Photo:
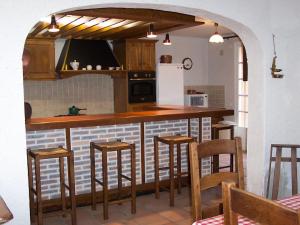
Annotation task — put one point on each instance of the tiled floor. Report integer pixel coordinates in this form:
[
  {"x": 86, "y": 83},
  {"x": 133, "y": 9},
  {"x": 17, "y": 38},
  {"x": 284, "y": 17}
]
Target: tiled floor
[{"x": 150, "y": 211}]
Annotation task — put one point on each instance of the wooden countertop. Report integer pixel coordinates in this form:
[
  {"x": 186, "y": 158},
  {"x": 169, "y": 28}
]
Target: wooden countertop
[{"x": 155, "y": 113}]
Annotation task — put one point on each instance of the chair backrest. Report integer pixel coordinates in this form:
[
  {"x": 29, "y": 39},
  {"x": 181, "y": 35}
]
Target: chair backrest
[
  {"x": 258, "y": 209},
  {"x": 293, "y": 159},
  {"x": 207, "y": 149}
]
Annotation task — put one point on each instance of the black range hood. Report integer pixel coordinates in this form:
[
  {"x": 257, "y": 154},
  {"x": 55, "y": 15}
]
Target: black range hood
[{"x": 86, "y": 52}]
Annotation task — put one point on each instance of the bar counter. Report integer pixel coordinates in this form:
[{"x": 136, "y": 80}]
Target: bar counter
[
  {"x": 76, "y": 133},
  {"x": 155, "y": 113}
]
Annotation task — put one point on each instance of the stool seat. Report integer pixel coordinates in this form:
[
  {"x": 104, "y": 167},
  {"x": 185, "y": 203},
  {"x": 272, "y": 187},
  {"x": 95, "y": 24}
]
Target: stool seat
[
  {"x": 50, "y": 153},
  {"x": 175, "y": 139},
  {"x": 112, "y": 145}
]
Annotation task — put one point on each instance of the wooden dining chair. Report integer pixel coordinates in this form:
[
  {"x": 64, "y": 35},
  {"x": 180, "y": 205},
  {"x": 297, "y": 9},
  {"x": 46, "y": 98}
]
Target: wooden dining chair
[
  {"x": 258, "y": 209},
  {"x": 206, "y": 191},
  {"x": 5, "y": 214}
]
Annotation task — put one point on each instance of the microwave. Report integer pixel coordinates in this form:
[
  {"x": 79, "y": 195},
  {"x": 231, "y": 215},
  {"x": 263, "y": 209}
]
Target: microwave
[{"x": 197, "y": 100}]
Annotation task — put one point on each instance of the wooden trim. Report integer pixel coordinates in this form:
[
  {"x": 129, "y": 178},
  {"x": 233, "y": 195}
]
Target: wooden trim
[{"x": 147, "y": 15}]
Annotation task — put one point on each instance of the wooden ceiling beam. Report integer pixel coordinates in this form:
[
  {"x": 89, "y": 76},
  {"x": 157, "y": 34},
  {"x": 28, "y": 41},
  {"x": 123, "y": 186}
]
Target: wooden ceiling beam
[
  {"x": 83, "y": 28},
  {"x": 111, "y": 29},
  {"x": 142, "y": 30},
  {"x": 87, "y": 32},
  {"x": 147, "y": 15},
  {"x": 109, "y": 33}
]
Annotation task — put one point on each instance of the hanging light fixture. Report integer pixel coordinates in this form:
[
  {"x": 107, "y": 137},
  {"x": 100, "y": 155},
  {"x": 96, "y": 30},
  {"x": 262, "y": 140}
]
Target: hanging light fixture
[
  {"x": 167, "y": 40},
  {"x": 53, "y": 27},
  {"x": 216, "y": 37},
  {"x": 151, "y": 33}
]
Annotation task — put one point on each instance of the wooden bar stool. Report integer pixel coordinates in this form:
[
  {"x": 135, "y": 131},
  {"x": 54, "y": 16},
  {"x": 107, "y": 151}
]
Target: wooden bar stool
[
  {"x": 171, "y": 141},
  {"x": 215, "y": 133},
  {"x": 278, "y": 159},
  {"x": 104, "y": 148},
  {"x": 37, "y": 156}
]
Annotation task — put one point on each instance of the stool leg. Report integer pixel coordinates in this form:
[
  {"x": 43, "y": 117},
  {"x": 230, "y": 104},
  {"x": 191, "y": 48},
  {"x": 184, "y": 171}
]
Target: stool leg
[
  {"x": 133, "y": 180},
  {"x": 93, "y": 176},
  {"x": 231, "y": 162},
  {"x": 188, "y": 163},
  {"x": 119, "y": 163},
  {"x": 62, "y": 185},
  {"x": 216, "y": 157},
  {"x": 38, "y": 192},
  {"x": 105, "y": 184},
  {"x": 231, "y": 155},
  {"x": 171, "y": 171},
  {"x": 30, "y": 183},
  {"x": 178, "y": 168},
  {"x": 71, "y": 179},
  {"x": 276, "y": 173},
  {"x": 156, "y": 165}
]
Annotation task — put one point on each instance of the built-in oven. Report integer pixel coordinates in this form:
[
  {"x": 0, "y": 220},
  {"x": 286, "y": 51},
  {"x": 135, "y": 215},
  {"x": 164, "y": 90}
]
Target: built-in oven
[{"x": 141, "y": 87}]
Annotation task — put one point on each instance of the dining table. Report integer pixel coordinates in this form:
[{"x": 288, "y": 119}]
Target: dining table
[{"x": 292, "y": 202}]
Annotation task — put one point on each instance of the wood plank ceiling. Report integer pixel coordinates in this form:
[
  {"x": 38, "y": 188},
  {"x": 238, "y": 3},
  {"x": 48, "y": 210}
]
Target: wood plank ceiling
[{"x": 112, "y": 23}]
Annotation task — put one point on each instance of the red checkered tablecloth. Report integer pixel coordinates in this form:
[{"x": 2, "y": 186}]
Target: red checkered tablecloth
[{"x": 291, "y": 202}]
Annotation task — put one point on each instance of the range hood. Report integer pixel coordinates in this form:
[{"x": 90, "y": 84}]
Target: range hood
[{"x": 86, "y": 52}]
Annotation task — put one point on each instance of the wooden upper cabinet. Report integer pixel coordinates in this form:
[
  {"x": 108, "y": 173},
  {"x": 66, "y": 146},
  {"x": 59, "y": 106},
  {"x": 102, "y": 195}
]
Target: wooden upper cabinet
[
  {"x": 41, "y": 59},
  {"x": 148, "y": 55},
  {"x": 133, "y": 56},
  {"x": 136, "y": 54}
]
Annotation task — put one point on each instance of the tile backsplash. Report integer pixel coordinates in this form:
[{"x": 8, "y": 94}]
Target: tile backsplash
[
  {"x": 50, "y": 98},
  {"x": 216, "y": 93}
]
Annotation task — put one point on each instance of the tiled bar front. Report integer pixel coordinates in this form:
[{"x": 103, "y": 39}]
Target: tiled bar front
[{"x": 131, "y": 133}]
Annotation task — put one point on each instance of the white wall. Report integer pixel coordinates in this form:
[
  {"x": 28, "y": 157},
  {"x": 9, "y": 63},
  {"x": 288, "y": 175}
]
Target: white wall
[
  {"x": 182, "y": 47},
  {"x": 221, "y": 69},
  {"x": 273, "y": 104}
]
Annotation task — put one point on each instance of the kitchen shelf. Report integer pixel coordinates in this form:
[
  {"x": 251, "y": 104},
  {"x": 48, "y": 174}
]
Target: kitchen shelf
[{"x": 70, "y": 73}]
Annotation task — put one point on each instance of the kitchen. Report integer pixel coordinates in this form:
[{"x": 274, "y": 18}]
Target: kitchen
[{"x": 96, "y": 92}]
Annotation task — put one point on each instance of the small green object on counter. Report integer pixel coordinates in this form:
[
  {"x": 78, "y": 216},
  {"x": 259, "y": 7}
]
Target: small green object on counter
[{"x": 74, "y": 110}]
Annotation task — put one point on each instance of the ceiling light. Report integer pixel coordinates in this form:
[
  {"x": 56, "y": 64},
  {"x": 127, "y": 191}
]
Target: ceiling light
[
  {"x": 167, "y": 40},
  {"x": 53, "y": 27},
  {"x": 216, "y": 37},
  {"x": 151, "y": 33}
]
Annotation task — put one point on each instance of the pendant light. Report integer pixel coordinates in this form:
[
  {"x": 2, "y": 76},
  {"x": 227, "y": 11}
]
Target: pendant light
[
  {"x": 53, "y": 27},
  {"x": 151, "y": 33},
  {"x": 167, "y": 40},
  {"x": 216, "y": 37}
]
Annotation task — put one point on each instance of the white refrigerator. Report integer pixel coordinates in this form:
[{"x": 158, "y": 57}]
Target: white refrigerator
[{"x": 170, "y": 84}]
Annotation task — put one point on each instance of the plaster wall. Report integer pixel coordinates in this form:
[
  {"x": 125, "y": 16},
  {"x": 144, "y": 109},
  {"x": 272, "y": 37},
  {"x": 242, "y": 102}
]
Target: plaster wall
[
  {"x": 182, "y": 47},
  {"x": 221, "y": 64},
  {"x": 273, "y": 104}
]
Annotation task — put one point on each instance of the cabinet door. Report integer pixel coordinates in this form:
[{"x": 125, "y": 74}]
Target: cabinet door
[
  {"x": 148, "y": 56},
  {"x": 41, "y": 65},
  {"x": 133, "y": 56}
]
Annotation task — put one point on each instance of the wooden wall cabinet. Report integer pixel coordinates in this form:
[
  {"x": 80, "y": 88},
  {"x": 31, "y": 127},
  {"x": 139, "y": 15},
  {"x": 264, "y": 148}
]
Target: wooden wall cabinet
[
  {"x": 136, "y": 54},
  {"x": 42, "y": 59}
]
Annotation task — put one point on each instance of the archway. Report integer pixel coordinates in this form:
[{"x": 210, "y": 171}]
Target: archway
[{"x": 256, "y": 82}]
